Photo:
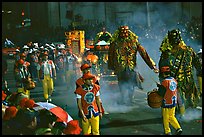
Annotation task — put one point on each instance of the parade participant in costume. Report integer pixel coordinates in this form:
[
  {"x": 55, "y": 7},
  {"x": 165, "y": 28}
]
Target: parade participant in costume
[
  {"x": 70, "y": 67},
  {"x": 34, "y": 64},
  {"x": 168, "y": 90},
  {"x": 23, "y": 57},
  {"x": 199, "y": 73},
  {"x": 17, "y": 55},
  {"x": 88, "y": 102},
  {"x": 102, "y": 43},
  {"x": 46, "y": 72},
  {"x": 25, "y": 49},
  {"x": 60, "y": 67},
  {"x": 22, "y": 74},
  {"x": 181, "y": 59},
  {"x": 85, "y": 68},
  {"x": 4, "y": 78},
  {"x": 103, "y": 35},
  {"x": 122, "y": 59}
]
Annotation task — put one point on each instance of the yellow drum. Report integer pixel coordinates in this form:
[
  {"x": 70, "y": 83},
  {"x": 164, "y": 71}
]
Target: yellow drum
[{"x": 154, "y": 100}]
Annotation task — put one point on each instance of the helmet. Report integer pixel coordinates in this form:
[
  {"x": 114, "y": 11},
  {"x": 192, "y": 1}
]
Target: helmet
[
  {"x": 174, "y": 36},
  {"x": 165, "y": 69}
]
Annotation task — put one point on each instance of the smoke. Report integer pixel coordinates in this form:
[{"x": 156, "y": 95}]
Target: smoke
[
  {"x": 152, "y": 20},
  {"x": 112, "y": 102},
  {"x": 162, "y": 17},
  {"x": 192, "y": 114}
]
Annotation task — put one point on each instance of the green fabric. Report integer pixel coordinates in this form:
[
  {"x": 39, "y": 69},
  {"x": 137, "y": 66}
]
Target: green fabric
[
  {"x": 181, "y": 64},
  {"x": 42, "y": 131}
]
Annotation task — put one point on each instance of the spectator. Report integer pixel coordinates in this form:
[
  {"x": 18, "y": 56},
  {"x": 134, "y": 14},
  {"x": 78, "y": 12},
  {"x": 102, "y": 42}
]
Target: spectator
[{"x": 9, "y": 122}]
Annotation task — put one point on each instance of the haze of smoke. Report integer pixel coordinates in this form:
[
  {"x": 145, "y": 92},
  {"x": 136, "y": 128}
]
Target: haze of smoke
[
  {"x": 110, "y": 96},
  {"x": 163, "y": 18},
  {"x": 192, "y": 114}
]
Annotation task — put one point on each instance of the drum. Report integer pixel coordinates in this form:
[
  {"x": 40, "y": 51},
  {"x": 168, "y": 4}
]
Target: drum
[
  {"x": 154, "y": 100},
  {"x": 29, "y": 84}
]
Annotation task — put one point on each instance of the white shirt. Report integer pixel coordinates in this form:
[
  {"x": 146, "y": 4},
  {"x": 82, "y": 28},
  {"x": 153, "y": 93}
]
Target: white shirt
[
  {"x": 22, "y": 72},
  {"x": 46, "y": 68}
]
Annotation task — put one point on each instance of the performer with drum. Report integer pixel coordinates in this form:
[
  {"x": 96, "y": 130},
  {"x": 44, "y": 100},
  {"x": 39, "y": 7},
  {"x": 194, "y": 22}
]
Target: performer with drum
[{"x": 168, "y": 90}]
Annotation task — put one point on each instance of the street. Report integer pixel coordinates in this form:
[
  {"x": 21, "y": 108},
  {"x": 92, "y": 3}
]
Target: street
[{"x": 137, "y": 119}]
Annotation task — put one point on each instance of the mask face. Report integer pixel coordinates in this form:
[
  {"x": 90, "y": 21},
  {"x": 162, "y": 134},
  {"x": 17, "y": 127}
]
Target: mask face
[
  {"x": 124, "y": 31},
  {"x": 174, "y": 37}
]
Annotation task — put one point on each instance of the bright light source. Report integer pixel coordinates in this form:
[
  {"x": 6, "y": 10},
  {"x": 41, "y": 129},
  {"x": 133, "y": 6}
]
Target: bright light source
[
  {"x": 22, "y": 13},
  {"x": 9, "y": 11}
]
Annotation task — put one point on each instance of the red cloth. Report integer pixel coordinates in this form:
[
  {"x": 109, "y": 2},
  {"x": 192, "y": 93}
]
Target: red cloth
[
  {"x": 3, "y": 95},
  {"x": 29, "y": 103},
  {"x": 22, "y": 102},
  {"x": 72, "y": 128},
  {"x": 10, "y": 112}
]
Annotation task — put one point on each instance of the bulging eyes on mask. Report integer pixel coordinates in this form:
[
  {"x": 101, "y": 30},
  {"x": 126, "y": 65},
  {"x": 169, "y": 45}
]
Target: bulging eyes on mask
[{"x": 124, "y": 31}]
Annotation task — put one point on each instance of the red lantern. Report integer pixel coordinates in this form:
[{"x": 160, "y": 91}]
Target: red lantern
[{"x": 98, "y": 47}]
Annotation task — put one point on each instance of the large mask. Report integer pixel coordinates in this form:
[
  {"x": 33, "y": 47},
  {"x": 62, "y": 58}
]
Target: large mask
[
  {"x": 174, "y": 37},
  {"x": 124, "y": 31}
]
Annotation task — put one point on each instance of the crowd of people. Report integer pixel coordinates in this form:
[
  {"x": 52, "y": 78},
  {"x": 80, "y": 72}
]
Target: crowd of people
[
  {"x": 20, "y": 117},
  {"x": 45, "y": 63},
  {"x": 39, "y": 64}
]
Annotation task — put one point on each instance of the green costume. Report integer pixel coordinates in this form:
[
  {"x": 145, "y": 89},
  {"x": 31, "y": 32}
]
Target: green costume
[
  {"x": 122, "y": 59},
  {"x": 181, "y": 59}
]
